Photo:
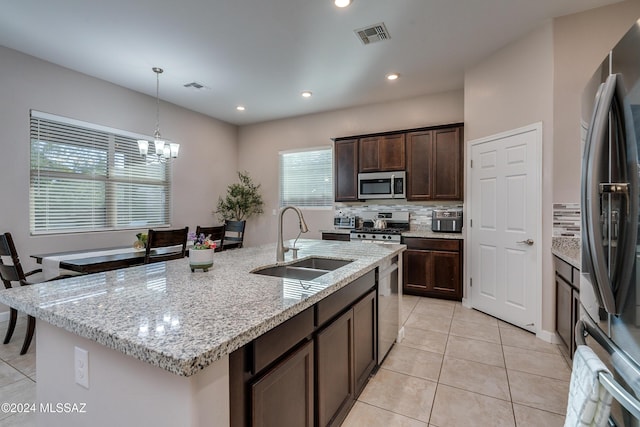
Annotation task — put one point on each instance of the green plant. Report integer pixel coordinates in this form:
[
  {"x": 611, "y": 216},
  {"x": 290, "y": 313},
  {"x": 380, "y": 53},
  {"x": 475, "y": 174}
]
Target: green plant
[{"x": 242, "y": 200}]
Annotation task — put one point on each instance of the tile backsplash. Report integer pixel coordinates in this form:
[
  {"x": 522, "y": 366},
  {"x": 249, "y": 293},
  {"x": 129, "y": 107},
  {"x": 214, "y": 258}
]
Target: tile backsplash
[
  {"x": 566, "y": 220},
  {"x": 419, "y": 215}
]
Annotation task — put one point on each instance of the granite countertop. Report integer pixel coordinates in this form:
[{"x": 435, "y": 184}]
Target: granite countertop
[
  {"x": 567, "y": 249},
  {"x": 180, "y": 321},
  {"x": 428, "y": 234}
]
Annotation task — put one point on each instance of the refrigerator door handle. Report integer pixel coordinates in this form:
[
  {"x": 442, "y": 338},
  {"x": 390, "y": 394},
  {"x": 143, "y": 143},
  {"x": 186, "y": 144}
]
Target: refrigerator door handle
[{"x": 596, "y": 138}]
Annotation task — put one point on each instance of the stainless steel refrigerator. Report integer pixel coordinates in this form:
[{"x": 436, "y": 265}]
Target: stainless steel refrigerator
[{"x": 610, "y": 280}]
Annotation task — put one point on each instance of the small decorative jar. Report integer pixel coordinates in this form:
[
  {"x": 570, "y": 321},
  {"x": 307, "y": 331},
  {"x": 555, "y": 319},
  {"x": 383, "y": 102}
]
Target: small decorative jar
[{"x": 200, "y": 259}]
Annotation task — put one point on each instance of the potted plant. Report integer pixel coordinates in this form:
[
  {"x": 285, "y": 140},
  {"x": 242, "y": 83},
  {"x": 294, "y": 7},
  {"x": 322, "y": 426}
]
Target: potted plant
[
  {"x": 242, "y": 200},
  {"x": 201, "y": 254}
]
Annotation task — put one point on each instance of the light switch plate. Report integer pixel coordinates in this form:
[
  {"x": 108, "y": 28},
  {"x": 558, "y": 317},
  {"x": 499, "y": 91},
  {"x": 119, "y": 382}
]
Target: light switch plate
[{"x": 81, "y": 367}]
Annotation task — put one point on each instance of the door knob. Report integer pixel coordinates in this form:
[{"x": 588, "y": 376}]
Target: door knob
[{"x": 528, "y": 242}]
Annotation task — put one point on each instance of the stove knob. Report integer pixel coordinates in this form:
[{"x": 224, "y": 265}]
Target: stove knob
[
  {"x": 386, "y": 237},
  {"x": 373, "y": 237}
]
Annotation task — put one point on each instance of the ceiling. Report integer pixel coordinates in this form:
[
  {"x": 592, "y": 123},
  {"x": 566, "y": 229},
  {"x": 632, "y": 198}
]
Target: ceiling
[{"x": 262, "y": 53}]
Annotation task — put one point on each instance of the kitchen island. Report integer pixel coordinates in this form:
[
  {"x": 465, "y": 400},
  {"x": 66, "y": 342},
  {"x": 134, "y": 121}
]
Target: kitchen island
[{"x": 158, "y": 337}]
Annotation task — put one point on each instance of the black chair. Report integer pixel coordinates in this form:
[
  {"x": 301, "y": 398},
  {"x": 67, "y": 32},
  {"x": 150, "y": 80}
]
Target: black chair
[
  {"x": 12, "y": 273},
  {"x": 234, "y": 234},
  {"x": 165, "y": 245},
  {"x": 214, "y": 233}
]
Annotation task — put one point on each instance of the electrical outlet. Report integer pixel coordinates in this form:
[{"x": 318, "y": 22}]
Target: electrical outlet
[{"x": 81, "y": 367}]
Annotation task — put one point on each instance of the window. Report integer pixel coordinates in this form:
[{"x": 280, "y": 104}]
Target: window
[
  {"x": 306, "y": 178},
  {"x": 86, "y": 177}
]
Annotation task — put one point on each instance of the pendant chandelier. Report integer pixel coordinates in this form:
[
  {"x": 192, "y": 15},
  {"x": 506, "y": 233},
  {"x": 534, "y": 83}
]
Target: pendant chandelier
[{"x": 163, "y": 150}]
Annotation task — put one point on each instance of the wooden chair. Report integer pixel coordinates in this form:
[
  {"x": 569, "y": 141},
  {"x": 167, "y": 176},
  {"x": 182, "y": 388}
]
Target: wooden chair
[
  {"x": 215, "y": 233},
  {"x": 13, "y": 273},
  {"x": 172, "y": 244},
  {"x": 234, "y": 234}
]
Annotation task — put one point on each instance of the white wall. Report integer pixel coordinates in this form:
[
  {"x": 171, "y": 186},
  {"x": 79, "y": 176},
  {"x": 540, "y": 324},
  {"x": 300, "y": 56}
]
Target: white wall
[
  {"x": 581, "y": 42},
  {"x": 207, "y": 162},
  {"x": 259, "y": 144},
  {"x": 510, "y": 89}
]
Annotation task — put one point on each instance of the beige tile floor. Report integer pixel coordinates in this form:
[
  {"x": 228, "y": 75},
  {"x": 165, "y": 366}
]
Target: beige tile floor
[
  {"x": 460, "y": 367},
  {"x": 456, "y": 367}
]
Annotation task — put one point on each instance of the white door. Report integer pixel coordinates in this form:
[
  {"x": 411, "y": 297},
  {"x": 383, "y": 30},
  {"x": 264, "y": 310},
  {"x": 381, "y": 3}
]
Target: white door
[{"x": 506, "y": 218}]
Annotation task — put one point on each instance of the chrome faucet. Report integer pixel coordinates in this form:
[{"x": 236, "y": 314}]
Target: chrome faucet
[{"x": 281, "y": 249}]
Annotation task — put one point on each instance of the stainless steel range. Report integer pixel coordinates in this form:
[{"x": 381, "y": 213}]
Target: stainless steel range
[{"x": 381, "y": 227}]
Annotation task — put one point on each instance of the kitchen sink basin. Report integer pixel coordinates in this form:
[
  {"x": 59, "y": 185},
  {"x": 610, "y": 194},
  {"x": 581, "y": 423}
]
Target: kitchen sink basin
[
  {"x": 305, "y": 269},
  {"x": 321, "y": 263}
]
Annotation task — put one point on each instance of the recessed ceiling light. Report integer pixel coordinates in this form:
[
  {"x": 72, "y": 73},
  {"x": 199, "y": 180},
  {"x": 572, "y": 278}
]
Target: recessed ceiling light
[
  {"x": 240, "y": 108},
  {"x": 342, "y": 3},
  {"x": 393, "y": 76},
  {"x": 306, "y": 94}
]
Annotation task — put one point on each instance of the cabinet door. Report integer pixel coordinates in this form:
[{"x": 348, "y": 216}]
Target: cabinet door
[
  {"x": 416, "y": 266},
  {"x": 419, "y": 147},
  {"x": 364, "y": 339},
  {"x": 368, "y": 157},
  {"x": 284, "y": 395},
  {"x": 564, "y": 311},
  {"x": 334, "y": 350},
  {"x": 445, "y": 274},
  {"x": 382, "y": 153},
  {"x": 346, "y": 170},
  {"x": 391, "y": 153},
  {"x": 575, "y": 315},
  {"x": 447, "y": 164}
]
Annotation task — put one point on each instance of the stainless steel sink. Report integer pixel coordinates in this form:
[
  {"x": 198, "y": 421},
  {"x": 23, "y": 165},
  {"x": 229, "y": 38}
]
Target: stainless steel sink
[
  {"x": 305, "y": 269},
  {"x": 321, "y": 263}
]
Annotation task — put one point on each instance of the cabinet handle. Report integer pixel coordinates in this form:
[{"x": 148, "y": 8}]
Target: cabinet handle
[{"x": 528, "y": 242}]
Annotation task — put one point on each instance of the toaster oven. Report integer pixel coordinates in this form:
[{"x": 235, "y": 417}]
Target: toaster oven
[{"x": 344, "y": 222}]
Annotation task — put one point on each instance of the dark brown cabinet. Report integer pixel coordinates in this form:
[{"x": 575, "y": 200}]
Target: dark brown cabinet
[
  {"x": 567, "y": 303},
  {"x": 343, "y": 237},
  {"x": 433, "y": 267},
  {"x": 335, "y": 370},
  {"x": 382, "y": 153},
  {"x": 346, "y": 170},
  {"x": 284, "y": 395},
  {"x": 364, "y": 340},
  {"x": 434, "y": 164},
  {"x": 309, "y": 370}
]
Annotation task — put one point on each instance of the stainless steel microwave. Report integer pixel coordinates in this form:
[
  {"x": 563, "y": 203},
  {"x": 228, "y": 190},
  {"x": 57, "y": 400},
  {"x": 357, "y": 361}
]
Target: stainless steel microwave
[{"x": 382, "y": 185}]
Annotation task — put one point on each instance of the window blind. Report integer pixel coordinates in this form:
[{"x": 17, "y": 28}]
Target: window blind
[
  {"x": 306, "y": 178},
  {"x": 87, "y": 177}
]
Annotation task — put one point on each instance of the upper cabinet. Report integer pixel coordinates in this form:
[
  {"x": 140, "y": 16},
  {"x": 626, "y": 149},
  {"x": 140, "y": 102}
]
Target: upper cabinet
[
  {"x": 434, "y": 164},
  {"x": 382, "y": 153},
  {"x": 432, "y": 158},
  {"x": 346, "y": 170}
]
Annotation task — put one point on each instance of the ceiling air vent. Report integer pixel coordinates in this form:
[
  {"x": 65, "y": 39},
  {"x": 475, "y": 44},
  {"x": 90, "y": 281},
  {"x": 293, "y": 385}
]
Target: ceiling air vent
[
  {"x": 194, "y": 85},
  {"x": 373, "y": 33}
]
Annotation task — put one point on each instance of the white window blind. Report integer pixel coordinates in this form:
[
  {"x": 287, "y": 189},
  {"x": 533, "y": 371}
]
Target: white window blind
[
  {"x": 87, "y": 177},
  {"x": 306, "y": 178}
]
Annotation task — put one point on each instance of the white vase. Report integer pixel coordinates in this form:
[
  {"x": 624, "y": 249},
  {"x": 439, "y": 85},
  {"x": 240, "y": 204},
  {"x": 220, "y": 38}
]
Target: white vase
[{"x": 200, "y": 259}]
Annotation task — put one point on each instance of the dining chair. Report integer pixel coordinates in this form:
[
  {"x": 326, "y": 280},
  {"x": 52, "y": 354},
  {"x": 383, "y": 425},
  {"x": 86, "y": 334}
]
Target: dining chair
[
  {"x": 172, "y": 244},
  {"x": 214, "y": 233},
  {"x": 234, "y": 234},
  {"x": 13, "y": 273}
]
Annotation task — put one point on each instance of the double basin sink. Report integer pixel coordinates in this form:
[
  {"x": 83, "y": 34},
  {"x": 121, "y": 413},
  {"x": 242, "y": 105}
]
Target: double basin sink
[{"x": 305, "y": 269}]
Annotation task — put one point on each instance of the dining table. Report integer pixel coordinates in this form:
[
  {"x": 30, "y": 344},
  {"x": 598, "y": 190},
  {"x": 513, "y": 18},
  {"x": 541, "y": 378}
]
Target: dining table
[{"x": 92, "y": 260}]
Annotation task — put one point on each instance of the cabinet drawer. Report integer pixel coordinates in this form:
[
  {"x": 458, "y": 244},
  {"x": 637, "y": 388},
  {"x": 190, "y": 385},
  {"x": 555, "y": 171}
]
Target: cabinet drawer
[
  {"x": 432, "y": 244},
  {"x": 273, "y": 344},
  {"x": 339, "y": 300},
  {"x": 563, "y": 269},
  {"x": 343, "y": 237}
]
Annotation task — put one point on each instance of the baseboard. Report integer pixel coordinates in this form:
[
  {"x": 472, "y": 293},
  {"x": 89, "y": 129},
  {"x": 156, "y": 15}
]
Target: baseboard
[{"x": 548, "y": 336}]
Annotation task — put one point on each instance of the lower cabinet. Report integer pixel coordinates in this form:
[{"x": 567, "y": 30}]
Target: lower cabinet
[
  {"x": 433, "y": 267},
  {"x": 343, "y": 237},
  {"x": 335, "y": 369},
  {"x": 567, "y": 303},
  {"x": 309, "y": 370},
  {"x": 283, "y": 397}
]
